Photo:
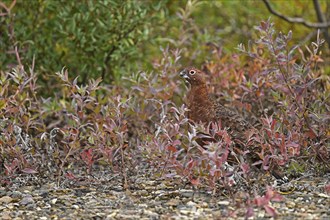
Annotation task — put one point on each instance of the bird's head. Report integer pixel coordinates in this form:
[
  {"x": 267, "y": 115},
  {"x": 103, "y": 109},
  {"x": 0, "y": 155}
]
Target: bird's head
[{"x": 193, "y": 76}]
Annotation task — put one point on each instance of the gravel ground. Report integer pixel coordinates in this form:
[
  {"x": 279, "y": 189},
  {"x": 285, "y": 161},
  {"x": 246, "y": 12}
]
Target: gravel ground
[{"x": 103, "y": 197}]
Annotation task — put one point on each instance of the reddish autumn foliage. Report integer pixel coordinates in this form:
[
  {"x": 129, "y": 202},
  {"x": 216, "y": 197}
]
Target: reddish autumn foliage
[{"x": 141, "y": 125}]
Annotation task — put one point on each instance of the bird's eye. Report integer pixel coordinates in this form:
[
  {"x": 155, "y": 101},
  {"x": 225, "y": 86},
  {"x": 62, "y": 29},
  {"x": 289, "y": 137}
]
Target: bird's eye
[{"x": 192, "y": 72}]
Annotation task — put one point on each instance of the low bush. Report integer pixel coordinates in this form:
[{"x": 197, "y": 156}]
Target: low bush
[{"x": 143, "y": 121}]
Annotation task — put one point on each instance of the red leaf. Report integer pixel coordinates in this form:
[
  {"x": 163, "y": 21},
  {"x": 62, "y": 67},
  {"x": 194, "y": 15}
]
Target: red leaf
[
  {"x": 29, "y": 171},
  {"x": 191, "y": 164},
  {"x": 263, "y": 25},
  {"x": 273, "y": 195},
  {"x": 195, "y": 182},
  {"x": 12, "y": 167},
  {"x": 270, "y": 210},
  {"x": 172, "y": 148},
  {"x": 176, "y": 142},
  {"x": 311, "y": 134},
  {"x": 273, "y": 124},
  {"x": 87, "y": 156},
  {"x": 70, "y": 176},
  {"x": 327, "y": 189},
  {"x": 261, "y": 201},
  {"x": 245, "y": 167}
]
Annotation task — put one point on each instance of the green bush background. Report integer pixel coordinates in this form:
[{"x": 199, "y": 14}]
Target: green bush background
[{"x": 114, "y": 38}]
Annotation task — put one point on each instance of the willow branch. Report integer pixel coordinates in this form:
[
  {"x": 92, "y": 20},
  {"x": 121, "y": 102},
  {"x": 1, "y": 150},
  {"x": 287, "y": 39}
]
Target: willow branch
[{"x": 296, "y": 19}]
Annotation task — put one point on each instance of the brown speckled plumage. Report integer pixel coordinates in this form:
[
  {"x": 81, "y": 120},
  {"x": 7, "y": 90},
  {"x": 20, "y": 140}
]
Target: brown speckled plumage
[{"x": 203, "y": 108}]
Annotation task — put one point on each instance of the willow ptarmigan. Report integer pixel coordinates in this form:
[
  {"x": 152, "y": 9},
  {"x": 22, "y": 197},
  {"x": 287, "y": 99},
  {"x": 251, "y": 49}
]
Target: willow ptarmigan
[{"x": 203, "y": 108}]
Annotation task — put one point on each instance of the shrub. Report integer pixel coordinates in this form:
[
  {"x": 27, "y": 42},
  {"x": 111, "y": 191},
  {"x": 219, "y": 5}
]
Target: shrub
[
  {"x": 50, "y": 135},
  {"x": 143, "y": 121},
  {"x": 90, "y": 38}
]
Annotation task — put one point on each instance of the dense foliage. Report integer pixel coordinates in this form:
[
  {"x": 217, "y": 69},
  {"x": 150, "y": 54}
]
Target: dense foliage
[
  {"x": 90, "y": 38},
  {"x": 142, "y": 118},
  {"x": 112, "y": 39}
]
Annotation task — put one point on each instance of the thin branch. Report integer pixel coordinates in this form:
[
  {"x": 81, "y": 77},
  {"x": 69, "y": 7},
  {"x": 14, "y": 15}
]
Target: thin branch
[
  {"x": 295, "y": 20},
  {"x": 120, "y": 37},
  {"x": 321, "y": 18},
  {"x": 18, "y": 58},
  {"x": 3, "y": 5}
]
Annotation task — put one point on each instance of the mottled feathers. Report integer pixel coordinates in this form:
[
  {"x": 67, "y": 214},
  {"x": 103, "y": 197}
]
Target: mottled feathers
[{"x": 204, "y": 108}]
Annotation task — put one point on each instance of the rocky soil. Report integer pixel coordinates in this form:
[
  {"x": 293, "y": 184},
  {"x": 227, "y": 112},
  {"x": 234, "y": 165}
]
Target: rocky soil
[{"x": 102, "y": 196}]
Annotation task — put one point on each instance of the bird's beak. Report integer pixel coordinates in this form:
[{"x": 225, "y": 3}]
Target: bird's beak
[{"x": 184, "y": 74}]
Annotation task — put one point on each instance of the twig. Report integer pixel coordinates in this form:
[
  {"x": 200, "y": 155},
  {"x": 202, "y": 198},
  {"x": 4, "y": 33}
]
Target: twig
[
  {"x": 7, "y": 9},
  {"x": 296, "y": 19},
  {"x": 108, "y": 56},
  {"x": 18, "y": 57},
  {"x": 321, "y": 18}
]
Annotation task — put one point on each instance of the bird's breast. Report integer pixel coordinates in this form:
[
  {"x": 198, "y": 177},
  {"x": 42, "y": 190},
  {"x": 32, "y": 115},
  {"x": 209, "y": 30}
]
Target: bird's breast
[{"x": 201, "y": 111}]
